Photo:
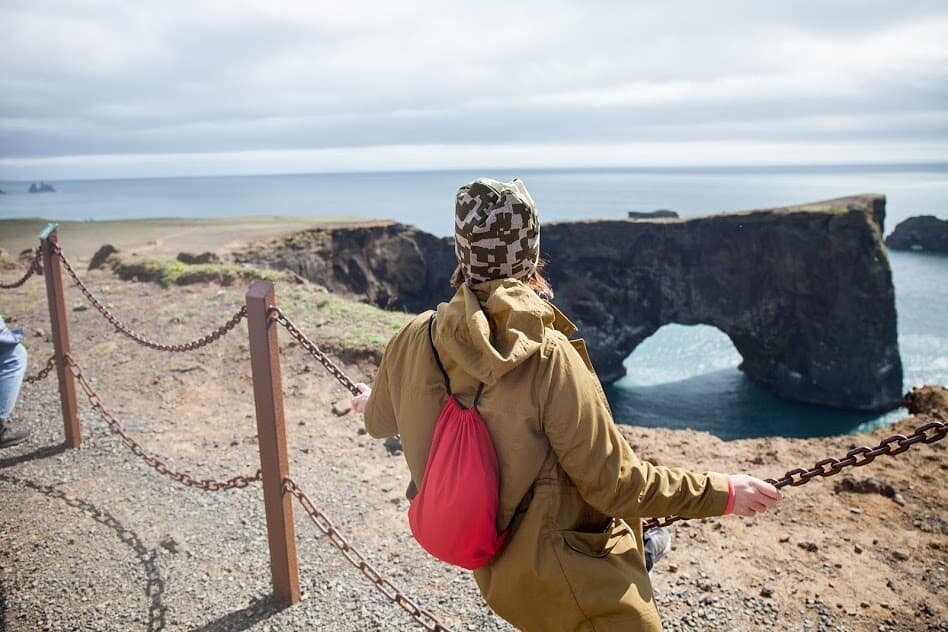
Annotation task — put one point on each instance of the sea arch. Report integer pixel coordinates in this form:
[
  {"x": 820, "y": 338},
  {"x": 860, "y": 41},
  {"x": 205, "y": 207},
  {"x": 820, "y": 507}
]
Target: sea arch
[{"x": 805, "y": 294}]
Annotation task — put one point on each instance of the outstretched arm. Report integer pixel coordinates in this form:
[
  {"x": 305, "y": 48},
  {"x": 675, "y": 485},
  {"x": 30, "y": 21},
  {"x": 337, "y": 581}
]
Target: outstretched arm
[{"x": 608, "y": 474}]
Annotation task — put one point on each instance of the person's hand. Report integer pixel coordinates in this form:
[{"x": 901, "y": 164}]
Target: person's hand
[
  {"x": 359, "y": 401},
  {"x": 752, "y": 495}
]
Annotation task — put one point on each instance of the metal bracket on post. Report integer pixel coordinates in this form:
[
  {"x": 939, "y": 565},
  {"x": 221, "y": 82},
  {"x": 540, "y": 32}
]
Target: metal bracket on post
[
  {"x": 271, "y": 437},
  {"x": 53, "y": 272}
]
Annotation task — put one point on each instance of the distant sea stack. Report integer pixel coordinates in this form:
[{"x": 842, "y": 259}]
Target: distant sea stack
[
  {"x": 42, "y": 187},
  {"x": 662, "y": 213},
  {"x": 805, "y": 293},
  {"x": 923, "y": 232}
]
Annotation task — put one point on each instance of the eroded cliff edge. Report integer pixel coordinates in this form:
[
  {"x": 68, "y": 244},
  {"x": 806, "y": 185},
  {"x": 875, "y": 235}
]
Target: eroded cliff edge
[{"x": 805, "y": 293}]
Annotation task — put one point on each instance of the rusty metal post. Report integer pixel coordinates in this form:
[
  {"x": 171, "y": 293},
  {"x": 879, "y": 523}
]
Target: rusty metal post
[
  {"x": 53, "y": 271},
  {"x": 271, "y": 436}
]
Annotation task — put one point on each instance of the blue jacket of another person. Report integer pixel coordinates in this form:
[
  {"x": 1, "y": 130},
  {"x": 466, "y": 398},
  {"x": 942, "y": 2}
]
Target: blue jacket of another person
[{"x": 9, "y": 338}]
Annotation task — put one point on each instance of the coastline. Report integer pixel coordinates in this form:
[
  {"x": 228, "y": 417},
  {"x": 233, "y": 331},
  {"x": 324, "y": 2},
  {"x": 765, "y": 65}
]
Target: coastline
[{"x": 160, "y": 236}]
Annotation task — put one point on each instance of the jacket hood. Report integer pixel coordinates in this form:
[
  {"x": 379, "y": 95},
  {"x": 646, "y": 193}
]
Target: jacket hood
[{"x": 492, "y": 328}]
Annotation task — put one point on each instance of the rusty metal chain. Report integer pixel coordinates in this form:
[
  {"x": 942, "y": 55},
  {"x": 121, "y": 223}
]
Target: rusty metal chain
[
  {"x": 35, "y": 267},
  {"x": 203, "y": 341},
  {"x": 420, "y": 615},
  {"x": 857, "y": 457},
  {"x": 311, "y": 347},
  {"x": 50, "y": 364},
  {"x": 152, "y": 460}
]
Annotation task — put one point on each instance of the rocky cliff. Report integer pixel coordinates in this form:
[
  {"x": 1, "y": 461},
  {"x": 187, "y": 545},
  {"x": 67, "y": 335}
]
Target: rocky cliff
[
  {"x": 805, "y": 293},
  {"x": 924, "y": 232},
  {"x": 391, "y": 265}
]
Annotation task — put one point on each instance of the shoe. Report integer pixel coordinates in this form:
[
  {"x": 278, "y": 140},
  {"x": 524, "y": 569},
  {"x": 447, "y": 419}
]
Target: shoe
[
  {"x": 12, "y": 437},
  {"x": 657, "y": 546}
]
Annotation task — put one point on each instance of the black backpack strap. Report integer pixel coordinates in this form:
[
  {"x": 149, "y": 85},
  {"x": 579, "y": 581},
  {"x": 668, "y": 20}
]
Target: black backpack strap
[
  {"x": 477, "y": 395},
  {"x": 444, "y": 374},
  {"x": 447, "y": 380}
]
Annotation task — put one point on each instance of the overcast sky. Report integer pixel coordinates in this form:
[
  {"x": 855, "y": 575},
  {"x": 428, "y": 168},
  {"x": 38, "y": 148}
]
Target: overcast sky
[{"x": 118, "y": 89}]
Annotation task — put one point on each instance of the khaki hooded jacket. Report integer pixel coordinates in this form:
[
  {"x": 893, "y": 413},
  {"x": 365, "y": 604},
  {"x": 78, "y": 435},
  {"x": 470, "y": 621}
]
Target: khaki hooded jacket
[{"x": 571, "y": 489}]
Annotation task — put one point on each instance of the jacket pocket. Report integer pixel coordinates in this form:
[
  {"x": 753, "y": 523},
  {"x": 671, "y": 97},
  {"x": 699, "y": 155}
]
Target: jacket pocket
[
  {"x": 594, "y": 544},
  {"x": 607, "y": 579}
]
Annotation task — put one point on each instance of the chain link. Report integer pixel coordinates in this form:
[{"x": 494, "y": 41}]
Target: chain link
[
  {"x": 35, "y": 267},
  {"x": 324, "y": 524},
  {"x": 311, "y": 347},
  {"x": 152, "y": 460},
  {"x": 203, "y": 341},
  {"x": 50, "y": 364},
  {"x": 857, "y": 457}
]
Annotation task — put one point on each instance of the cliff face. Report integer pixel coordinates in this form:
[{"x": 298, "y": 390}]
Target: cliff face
[
  {"x": 805, "y": 293},
  {"x": 391, "y": 265}
]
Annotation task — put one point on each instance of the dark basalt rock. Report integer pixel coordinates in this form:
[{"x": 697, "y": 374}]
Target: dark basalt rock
[
  {"x": 101, "y": 256},
  {"x": 42, "y": 187},
  {"x": 391, "y": 265},
  {"x": 192, "y": 259},
  {"x": 805, "y": 293},
  {"x": 924, "y": 232}
]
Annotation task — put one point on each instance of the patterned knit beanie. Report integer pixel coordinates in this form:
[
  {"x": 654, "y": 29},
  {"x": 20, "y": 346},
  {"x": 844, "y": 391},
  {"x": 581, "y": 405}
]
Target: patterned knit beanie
[{"x": 496, "y": 231}]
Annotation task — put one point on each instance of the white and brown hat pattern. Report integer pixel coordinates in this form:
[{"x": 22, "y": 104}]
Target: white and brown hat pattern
[{"x": 496, "y": 231}]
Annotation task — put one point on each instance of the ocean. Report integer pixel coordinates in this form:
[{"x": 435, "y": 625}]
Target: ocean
[{"x": 681, "y": 377}]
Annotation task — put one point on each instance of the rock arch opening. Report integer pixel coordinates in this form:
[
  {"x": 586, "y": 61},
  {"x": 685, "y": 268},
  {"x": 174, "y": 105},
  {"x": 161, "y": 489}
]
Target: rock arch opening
[
  {"x": 687, "y": 376},
  {"x": 676, "y": 353}
]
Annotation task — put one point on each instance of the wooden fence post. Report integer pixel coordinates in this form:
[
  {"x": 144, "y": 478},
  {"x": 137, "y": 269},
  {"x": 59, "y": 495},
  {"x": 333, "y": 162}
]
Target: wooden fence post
[
  {"x": 53, "y": 272},
  {"x": 271, "y": 436}
]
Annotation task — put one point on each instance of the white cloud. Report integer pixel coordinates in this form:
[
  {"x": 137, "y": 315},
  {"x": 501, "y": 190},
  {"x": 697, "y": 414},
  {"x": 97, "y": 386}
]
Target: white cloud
[{"x": 236, "y": 77}]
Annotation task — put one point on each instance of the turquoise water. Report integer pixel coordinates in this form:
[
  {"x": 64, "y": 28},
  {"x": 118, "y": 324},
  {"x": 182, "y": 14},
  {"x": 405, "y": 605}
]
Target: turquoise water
[{"x": 681, "y": 376}]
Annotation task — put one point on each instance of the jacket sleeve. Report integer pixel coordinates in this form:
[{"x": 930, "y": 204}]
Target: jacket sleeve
[
  {"x": 599, "y": 461},
  {"x": 380, "y": 411}
]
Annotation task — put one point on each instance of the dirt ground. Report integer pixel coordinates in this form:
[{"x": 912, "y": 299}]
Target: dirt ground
[{"x": 825, "y": 559}]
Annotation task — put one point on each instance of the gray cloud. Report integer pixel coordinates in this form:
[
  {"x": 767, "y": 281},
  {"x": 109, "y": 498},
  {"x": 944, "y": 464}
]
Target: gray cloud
[{"x": 149, "y": 78}]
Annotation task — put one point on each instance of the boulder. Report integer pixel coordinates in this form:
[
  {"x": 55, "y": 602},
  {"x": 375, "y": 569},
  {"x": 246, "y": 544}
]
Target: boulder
[
  {"x": 204, "y": 257},
  {"x": 101, "y": 256},
  {"x": 927, "y": 400},
  {"x": 923, "y": 232},
  {"x": 805, "y": 292}
]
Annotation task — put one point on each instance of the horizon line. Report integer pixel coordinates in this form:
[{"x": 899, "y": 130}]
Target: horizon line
[{"x": 656, "y": 168}]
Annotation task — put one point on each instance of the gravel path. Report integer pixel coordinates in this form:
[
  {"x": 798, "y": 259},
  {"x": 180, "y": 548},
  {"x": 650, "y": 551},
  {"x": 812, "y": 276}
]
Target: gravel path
[{"x": 99, "y": 541}]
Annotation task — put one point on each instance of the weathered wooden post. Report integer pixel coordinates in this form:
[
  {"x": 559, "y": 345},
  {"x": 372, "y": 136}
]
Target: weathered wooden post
[
  {"x": 271, "y": 436},
  {"x": 53, "y": 271}
]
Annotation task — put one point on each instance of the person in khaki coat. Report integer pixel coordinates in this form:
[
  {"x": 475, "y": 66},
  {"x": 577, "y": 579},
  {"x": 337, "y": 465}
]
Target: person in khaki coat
[{"x": 572, "y": 492}]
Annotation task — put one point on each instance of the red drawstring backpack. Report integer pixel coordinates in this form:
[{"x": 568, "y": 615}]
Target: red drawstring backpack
[{"x": 454, "y": 515}]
